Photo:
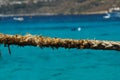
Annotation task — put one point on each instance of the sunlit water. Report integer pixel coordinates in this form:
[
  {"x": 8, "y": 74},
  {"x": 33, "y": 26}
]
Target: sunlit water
[{"x": 34, "y": 63}]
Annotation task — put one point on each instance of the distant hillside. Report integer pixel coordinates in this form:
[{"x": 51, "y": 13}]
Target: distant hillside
[{"x": 55, "y": 6}]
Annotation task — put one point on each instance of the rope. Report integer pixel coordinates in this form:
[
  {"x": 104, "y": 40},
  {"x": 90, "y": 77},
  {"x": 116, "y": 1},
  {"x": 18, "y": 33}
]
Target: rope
[{"x": 41, "y": 41}]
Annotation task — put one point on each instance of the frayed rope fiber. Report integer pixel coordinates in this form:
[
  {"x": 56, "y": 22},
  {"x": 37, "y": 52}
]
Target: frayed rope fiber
[{"x": 41, "y": 41}]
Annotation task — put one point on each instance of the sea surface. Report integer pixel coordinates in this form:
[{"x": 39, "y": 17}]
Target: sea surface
[{"x": 34, "y": 63}]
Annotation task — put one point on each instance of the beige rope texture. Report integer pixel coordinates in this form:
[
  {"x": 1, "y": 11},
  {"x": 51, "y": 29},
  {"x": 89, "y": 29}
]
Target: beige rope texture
[{"x": 40, "y": 41}]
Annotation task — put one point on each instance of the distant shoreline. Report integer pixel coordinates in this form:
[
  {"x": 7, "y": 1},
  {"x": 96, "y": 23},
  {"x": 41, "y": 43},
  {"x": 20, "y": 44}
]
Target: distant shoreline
[
  {"x": 51, "y": 14},
  {"x": 97, "y": 12}
]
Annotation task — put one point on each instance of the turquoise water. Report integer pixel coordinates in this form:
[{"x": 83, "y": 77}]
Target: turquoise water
[{"x": 34, "y": 63}]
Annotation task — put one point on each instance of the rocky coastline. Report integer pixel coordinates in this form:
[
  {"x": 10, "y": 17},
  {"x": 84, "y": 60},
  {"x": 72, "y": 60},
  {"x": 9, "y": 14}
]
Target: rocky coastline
[
  {"x": 52, "y": 14},
  {"x": 55, "y": 7}
]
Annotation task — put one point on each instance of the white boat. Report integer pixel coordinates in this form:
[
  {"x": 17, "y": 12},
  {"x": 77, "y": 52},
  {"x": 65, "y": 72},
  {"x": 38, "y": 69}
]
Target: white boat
[
  {"x": 18, "y": 18},
  {"x": 113, "y": 12},
  {"x": 107, "y": 16}
]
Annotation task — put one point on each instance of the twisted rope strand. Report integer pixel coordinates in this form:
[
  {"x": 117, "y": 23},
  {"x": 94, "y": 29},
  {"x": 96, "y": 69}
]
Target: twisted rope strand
[{"x": 40, "y": 41}]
